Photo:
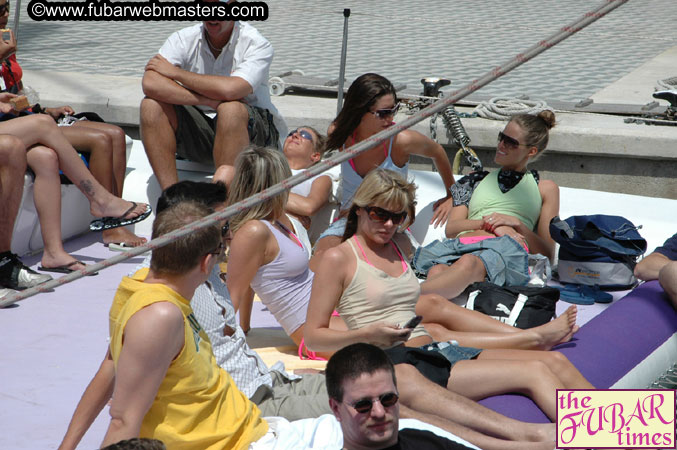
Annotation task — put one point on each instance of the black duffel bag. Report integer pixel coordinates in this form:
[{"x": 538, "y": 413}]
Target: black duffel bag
[{"x": 518, "y": 306}]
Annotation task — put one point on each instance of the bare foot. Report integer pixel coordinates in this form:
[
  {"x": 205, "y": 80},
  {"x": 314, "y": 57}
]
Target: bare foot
[
  {"x": 122, "y": 235},
  {"x": 116, "y": 207},
  {"x": 557, "y": 331},
  {"x": 60, "y": 260}
]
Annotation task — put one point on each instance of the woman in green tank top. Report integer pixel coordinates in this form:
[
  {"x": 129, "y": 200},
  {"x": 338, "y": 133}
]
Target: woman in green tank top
[{"x": 509, "y": 202}]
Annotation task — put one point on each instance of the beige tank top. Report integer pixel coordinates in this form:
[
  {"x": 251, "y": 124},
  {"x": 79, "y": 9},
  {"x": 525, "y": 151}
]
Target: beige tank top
[{"x": 373, "y": 295}]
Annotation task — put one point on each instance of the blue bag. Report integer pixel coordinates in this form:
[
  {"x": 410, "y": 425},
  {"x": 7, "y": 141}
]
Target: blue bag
[{"x": 597, "y": 250}]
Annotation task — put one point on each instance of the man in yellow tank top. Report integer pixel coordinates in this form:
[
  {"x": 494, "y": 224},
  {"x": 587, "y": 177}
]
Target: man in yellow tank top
[{"x": 167, "y": 383}]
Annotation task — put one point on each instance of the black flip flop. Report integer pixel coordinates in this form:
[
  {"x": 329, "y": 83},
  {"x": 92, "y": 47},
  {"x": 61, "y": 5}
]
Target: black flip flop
[
  {"x": 66, "y": 268},
  {"x": 108, "y": 223}
]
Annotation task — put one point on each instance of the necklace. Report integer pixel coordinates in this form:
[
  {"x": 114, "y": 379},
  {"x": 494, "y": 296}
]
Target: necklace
[{"x": 212, "y": 47}]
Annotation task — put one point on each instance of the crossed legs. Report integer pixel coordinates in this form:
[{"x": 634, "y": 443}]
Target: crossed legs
[{"x": 39, "y": 129}]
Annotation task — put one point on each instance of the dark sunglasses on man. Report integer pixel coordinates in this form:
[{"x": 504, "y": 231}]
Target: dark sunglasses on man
[
  {"x": 363, "y": 406},
  {"x": 4, "y": 8}
]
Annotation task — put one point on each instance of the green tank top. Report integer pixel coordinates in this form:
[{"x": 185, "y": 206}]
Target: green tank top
[{"x": 522, "y": 201}]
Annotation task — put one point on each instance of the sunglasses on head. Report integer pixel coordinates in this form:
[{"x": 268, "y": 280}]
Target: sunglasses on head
[
  {"x": 508, "y": 141},
  {"x": 364, "y": 405},
  {"x": 303, "y": 133},
  {"x": 383, "y": 215},
  {"x": 4, "y": 8},
  {"x": 383, "y": 113}
]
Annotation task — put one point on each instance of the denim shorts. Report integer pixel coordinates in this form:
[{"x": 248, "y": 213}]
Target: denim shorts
[
  {"x": 337, "y": 228},
  {"x": 505, "y": 260},
  {"x": 452, "y": 351}
]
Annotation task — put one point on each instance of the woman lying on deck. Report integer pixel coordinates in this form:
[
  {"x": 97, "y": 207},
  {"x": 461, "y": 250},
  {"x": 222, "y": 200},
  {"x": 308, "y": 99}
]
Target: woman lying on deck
[{"x": 369, "y": 283}]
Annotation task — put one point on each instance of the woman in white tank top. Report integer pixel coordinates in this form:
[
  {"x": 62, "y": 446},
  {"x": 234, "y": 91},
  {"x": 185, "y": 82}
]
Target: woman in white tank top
[
  {"x": 369, "y": 107},
  {"x": 368, "y": 281},
  {"x": 267, "y": 253}
]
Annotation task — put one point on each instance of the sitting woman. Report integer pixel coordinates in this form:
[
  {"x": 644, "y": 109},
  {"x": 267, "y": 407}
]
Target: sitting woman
[
  {"x": 303, "y": 148},
  {"x": 266, "y": 252},
  {"x": 369, "y": 283},
  {"x": 104, "y": 142},
  {"x": 508, "y": 210},
  {"x": 370, "y": 105}
]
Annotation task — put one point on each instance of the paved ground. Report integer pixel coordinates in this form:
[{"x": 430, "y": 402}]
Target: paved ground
[{"x": 402, "y": 39}]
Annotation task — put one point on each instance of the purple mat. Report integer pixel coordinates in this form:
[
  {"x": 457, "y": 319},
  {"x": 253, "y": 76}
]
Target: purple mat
[{"x": 608, "y": 346}]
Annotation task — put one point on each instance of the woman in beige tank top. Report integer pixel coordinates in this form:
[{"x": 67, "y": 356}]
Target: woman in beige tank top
[{"x": 368, "y": 281}]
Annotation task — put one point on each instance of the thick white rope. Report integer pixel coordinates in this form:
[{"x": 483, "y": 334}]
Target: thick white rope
[
  {"x": 503, "y": 108},
  {"x": 668, "y": 83},
  {"x": 606, "y": 7}
]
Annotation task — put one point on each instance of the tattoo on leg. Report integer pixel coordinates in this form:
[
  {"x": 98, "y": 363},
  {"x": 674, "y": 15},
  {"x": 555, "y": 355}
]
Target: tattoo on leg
[{"x": 87, "y": 188}]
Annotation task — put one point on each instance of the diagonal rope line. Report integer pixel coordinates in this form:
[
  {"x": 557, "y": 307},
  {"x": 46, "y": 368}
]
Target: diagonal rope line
[{"x": 589, "y": 17}]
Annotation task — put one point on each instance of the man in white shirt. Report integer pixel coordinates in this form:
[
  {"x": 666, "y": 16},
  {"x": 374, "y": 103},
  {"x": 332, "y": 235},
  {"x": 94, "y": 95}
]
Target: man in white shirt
[{"x": 215, "y": 66}]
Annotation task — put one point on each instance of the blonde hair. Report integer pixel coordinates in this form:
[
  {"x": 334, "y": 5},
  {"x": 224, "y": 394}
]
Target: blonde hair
[
  {"x": 256, "y": 169},
  {"x": 385, "y": 188},
  {"x": 537, "y": 128}
]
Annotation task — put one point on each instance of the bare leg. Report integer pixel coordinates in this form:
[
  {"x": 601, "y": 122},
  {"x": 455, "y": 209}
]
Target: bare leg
[
  {"x": 479, "y": 378},
  {"x": 106, "y": 145},
  {"x": 47, "y": 198},
  {"x": 158, "y": 125},
  {"x": 12, "y": 170},
  {"x": 321, "y": 246},
  {"x": 445, "y": 321},
  {"x": 466, "y": 418},
  {"x": 41, "y": 129},
  {"x": 231, "y": 133},
  {"x": 451, "y": 281}
]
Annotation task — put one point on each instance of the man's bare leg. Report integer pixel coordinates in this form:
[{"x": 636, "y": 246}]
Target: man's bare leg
[
  {"x": 231, "y": 135},
  {"x": 158, "y": 125},
  {"x": 458, "y": 414},
  {"x": 12, "y": 170}
]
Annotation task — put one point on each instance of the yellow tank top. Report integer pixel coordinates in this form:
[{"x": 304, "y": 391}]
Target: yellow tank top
[
  {"x": 198, "y": 406},
  {"x": 522, "y": 201}
]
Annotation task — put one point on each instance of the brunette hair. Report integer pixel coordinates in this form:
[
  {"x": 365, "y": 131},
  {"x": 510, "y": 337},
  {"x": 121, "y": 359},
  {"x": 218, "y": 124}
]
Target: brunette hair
[
  {"x": 537, "y": 128},
  {"x": 256, "y": 169},
  {"x": 359, "y": 99},
  {"x": 383, "y": 187}
]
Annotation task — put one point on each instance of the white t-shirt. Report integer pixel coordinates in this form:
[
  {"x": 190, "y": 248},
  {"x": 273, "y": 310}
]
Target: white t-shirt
[
  {"x": 303, "y": 188},
  {"x": 246, "y": 55}
]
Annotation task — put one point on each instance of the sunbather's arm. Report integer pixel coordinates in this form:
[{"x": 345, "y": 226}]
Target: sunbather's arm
[
  {"x": 318, "y": 197},
  {"x": 161, "y": 88},
  {"x": 418, "y": 144},
  {"x": 95, "y": 397},
  {"x": 458, "y": 221},
  {"x": 649, "y": 267}
]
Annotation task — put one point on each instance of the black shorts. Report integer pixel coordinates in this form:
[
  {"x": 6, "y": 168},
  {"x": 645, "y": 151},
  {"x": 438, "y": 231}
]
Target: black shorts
[
  {"x": 196, "y": 131},
  {"x": 432, "y": 365}
]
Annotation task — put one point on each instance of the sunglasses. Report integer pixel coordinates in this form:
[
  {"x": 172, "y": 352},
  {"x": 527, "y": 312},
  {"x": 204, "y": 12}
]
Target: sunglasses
[
  {"x": 383, "y": 113},
  {"x": 364, "y": 405},
  {"x": 218, "y": 251},
  {"x": 508, "y": 141},
  {"x": 224, "y": 229},
  {"x": 383, "y": 215},
  {"x": 303, "y": 133},
  {"x": 4, "y": 8}
]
